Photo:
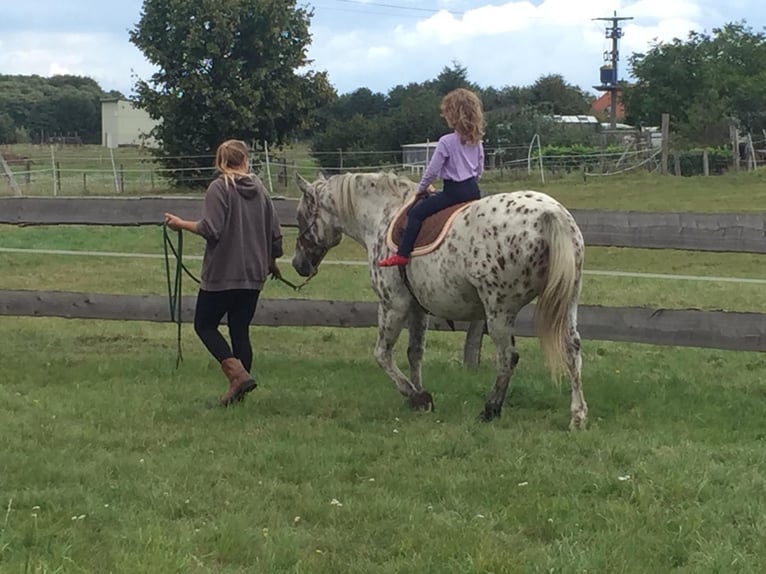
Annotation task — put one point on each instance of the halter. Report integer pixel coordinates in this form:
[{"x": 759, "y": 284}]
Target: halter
[{"x": 301, "y": 240}]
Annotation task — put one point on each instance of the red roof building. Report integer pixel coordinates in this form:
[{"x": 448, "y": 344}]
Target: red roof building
[{"x": 601, "y": 106}]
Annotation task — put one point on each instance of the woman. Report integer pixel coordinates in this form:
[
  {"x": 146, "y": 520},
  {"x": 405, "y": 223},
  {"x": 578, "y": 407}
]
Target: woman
[
  {"x": 458, "y": 161},
  {"x": 243, "y": 242}
]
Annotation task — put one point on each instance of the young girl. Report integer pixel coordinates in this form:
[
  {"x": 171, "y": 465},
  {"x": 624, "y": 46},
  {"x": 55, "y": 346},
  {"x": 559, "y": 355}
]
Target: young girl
[
  {"x": 243, "y": 243},
  {"x": 458, "y": 161}
]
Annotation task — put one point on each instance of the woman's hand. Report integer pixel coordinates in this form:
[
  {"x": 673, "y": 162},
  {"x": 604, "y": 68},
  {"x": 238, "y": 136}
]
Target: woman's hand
[
  {"x": 274, "y": 270},
  {"x": 174, "y": 222}
]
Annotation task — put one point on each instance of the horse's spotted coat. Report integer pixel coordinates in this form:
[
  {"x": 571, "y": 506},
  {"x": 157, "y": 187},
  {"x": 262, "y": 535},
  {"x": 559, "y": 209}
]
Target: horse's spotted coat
[{"x": 495, "y": 260}]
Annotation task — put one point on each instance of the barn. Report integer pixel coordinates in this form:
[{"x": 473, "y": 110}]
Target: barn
[
  {"x": 122, "y": 124},
  {"x": 415, "y": 156}
]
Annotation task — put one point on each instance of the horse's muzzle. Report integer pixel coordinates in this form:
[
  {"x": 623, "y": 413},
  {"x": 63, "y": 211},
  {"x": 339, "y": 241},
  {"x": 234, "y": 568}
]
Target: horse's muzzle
[{"x": 302, "y": 265}]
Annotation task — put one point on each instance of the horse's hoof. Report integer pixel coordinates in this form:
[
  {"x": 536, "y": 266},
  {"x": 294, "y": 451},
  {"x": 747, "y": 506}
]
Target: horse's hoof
[
  {"x": 577, "y": 424},
  {"x": 422, "y": 401},
  {"x": 490, "y": 412}
]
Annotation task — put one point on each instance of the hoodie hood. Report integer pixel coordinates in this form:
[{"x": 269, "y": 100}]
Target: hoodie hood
[{"x": 248, "y": 186}]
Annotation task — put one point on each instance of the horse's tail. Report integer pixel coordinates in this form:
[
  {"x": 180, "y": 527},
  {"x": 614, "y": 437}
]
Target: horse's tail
[{"x": 554, "y": 305}]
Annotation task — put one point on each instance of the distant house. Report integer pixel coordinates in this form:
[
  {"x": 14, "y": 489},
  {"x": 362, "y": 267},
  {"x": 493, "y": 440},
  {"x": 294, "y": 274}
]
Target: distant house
[
  {"x": 582, "y": 120},
  {"x": 601, "y": 106},
  {"x": 122, "y": 124},
  {"x": 416, "y": 156}
]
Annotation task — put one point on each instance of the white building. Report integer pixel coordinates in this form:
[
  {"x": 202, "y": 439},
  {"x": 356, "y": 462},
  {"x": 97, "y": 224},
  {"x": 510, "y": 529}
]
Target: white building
[
  {"x": 416, "y": 156},
  {"x": 122, "y": 124}
]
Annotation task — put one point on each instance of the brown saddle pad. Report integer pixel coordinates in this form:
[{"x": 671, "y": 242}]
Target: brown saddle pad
[{"x": 431, "y": 234}]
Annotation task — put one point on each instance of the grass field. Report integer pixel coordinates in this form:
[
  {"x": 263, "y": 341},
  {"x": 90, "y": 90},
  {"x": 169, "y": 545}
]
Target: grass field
[{"x": 112, "y": 462}]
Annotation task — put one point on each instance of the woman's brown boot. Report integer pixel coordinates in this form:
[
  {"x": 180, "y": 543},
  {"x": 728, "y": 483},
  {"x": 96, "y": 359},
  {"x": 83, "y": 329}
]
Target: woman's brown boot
[{"x": 240, "y": 381}]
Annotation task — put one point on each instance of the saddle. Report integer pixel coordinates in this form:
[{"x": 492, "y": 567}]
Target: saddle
[{"x": 431, "y": 234}]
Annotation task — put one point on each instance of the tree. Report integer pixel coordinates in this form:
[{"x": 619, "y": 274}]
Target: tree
[
  {"x": 7, "y": 129},
  {"x": 451, "y": 79},
  {"x": 555, "y": 96},
  {"x": 60, "y": 105},
  {"x": 705, "y": 83},
  {"x": 226, "y": 69}
]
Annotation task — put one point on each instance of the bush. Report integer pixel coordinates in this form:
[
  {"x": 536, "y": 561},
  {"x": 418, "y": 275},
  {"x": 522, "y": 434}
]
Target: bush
[{"x": 690, "y": 161}]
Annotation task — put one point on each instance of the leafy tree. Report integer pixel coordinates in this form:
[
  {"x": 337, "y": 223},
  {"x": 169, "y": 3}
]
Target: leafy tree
[
  {"x": 226, "y": 69},
  {"x": 410, "y": 113},
  {"x": 705, "y": 83},
  {"x": 554, "y": 95},
  {"x": 451, "y": 79},
  {"x": 61, "y": 105},
  {"x": 343, "y": 141},
  {"x": 361, "y": 102},
  {"x": 7, "y": 129},
  {"x": 507, "y": 99}
]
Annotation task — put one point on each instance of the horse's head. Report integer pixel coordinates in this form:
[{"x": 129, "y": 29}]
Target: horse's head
[{"x": 318, "y": 228}]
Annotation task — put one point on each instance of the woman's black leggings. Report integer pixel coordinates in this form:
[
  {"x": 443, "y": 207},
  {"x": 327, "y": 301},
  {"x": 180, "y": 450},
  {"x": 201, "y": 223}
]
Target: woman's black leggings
[{"x": 239, "y": 306}]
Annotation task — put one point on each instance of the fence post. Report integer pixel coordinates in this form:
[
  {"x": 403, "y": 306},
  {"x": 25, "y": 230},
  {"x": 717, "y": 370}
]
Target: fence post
[
  {"x": 752, "y": 161},
  {"x": 114, "y": 171},
  {"x": 122, "y": 178},
  {"x": 58, "y": 177},
  {"x": 84, "y": 183},
  {"x": 676, "y": 164},
  {"x": 705, "y": 162},
  {"x": 268, "y": 165},
  {"x": 665, "y": 143},
  {"x": 734, "y": 146},
  {"x": 53, "y": 167}
]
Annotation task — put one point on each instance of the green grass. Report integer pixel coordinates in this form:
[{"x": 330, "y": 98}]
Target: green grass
[
  {"x": 641, "y": 191},
  {"x": 110, "y": 460},
  {"x": 113, "y": 463}
]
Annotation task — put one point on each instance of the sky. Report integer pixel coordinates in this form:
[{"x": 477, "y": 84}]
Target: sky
[{"x": 379, "y": 44}]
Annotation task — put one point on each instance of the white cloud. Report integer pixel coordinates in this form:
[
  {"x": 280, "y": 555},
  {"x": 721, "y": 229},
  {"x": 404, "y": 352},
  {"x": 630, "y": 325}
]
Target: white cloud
[
  {"x": 103, "y": 57},
  {"x": 502, "y": 44}
]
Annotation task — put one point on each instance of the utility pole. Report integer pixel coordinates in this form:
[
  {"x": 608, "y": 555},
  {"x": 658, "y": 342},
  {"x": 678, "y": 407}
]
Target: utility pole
[{"x": 609, "y": 76}]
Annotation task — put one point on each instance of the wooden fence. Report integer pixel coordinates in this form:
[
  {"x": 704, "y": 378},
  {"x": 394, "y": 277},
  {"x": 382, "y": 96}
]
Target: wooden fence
[{"x": 734, "y": 232}]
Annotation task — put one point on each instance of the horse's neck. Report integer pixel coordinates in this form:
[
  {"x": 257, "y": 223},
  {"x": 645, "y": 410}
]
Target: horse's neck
[{"x": 365, "y": 214}]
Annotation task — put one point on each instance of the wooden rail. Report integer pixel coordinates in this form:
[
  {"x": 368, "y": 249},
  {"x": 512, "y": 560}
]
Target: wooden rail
[
  {"x": 679, "y": 327},
  {"x": 732, "y": 232},
  {"x": 735, "y": 232}
]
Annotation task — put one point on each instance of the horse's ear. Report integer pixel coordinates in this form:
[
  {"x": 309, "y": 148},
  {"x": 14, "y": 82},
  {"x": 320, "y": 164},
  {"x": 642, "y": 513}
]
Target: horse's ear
[
  {"x": 320, "y": 176},
  {"x": 303, "y": 185}
]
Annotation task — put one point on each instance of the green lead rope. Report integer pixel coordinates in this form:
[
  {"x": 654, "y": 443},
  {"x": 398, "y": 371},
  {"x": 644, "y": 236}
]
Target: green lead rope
[{"x": 175, "y": 299}]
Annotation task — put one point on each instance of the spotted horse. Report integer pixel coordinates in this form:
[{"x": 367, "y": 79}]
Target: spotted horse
[{"x": 500, "y": 252}]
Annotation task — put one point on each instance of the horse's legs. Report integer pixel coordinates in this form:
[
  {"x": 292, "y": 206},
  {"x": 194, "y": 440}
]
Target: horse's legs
[
  {"x": 390, "y": 323},
  {"x": 417, "y": 326},
  {"x": 578, "y": 406},
  {"x": 506, "y": 358}
]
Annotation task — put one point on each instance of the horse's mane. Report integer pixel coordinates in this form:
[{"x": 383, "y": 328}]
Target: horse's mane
[{"x": 347, "y": 188}]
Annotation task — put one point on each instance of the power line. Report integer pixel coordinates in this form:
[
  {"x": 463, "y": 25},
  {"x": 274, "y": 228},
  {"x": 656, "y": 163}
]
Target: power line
[
  {"x": 400, "y": 7},
  {"x": 322, "y": 8}
]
